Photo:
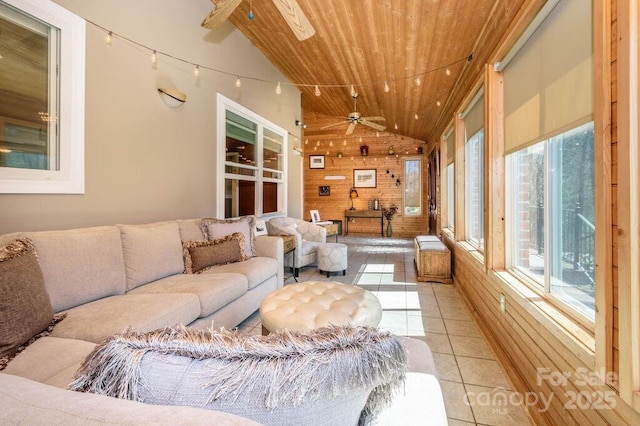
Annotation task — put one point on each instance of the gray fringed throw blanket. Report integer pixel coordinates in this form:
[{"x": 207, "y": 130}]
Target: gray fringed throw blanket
[{"x": 231, "y": 368}]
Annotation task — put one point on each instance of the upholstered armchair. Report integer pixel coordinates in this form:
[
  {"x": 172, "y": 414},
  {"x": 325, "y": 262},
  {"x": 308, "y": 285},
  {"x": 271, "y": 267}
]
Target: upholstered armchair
[{"x": 308, "y": 237}]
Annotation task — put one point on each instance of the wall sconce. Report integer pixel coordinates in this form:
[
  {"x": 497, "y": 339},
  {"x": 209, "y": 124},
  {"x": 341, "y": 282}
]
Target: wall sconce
[
  {"x": 353, "y": 193},
  {"x": 300, "y": 124},
  {"x": 172, "y": 98}
]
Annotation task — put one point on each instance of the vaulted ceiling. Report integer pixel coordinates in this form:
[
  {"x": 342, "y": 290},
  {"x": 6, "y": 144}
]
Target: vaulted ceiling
[{"x": 366, "y": 43}]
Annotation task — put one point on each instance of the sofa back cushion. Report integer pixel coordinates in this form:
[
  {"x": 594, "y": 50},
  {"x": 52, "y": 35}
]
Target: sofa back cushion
[
  {"x": 151, "y": 251},
  {"x": 80, "y": 265},
  {"x": 190, "y": 230}
]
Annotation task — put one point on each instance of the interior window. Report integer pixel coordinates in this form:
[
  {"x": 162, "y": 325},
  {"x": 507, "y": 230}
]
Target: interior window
[{"x": 412, "y": 194}]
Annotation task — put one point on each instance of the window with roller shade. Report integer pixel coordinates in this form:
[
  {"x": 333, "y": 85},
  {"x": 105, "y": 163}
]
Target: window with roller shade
[
  {"x": 474, "y": 172},
  {"x": 549, "y": 145}
]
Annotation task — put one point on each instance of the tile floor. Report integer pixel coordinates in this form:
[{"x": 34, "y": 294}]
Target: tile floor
[{"x": 475, "y": 389}]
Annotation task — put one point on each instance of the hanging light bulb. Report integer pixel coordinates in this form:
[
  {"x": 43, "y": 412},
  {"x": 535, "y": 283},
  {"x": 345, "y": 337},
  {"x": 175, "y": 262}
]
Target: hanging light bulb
[
  {"x": 377, "y": 134},
  {"x": 352, "y": 91},
  {"x": 109, "y": 38},
  {"x": 330, "y": 143},
  {"x": 438, "y": 103},
  {"x": 318, "y": 143},
  {"x": 418, "y": 81},
  {"x": 344, "y": 142},
  {"x": 317, "y": 91},
  {"x": 447, "y": 71},
  {"x": 395, "y": 126},
  {"x": 154, "y": 58},
  {"x": 416, "y": 116},
  {"x": 238, "y": 82},
  {"x": 196, "y": 71},
  {"x": 386, "y": 87},
  {"x": 278, "y": 89},
  {"x": 306, "y": 141}
]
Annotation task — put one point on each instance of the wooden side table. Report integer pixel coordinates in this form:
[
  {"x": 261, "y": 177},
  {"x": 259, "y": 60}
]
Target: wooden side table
[
  {"x": 289, "y": 246},
  {"x": 332, "y": 230}
]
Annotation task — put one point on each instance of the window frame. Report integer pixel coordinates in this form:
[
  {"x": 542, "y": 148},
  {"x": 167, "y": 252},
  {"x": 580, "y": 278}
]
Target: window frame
[
  {"x": 406, "y": 183},
  {"x": 225, "y": 104},
  {"x": 69, "y": 177}
]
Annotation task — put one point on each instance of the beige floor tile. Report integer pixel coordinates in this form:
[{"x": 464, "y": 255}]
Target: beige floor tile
[
  {"x": 474, "y": 347},
  {"x": 448, "y": 301},
  {"x": 452, "y": 312},
  {"x": 462, "y": 328},
  {"x": 482, "y": 372},
  {"x": 438, "y": 343},
  {"x": 447, "y": 367},
  {"x": 454, "y": 422},
  {"x": 425, "y": 324},
  {"x": 455, "y": 401},
  {"x": 444, "y": 290},
  {"x": 496, "y": 407}
]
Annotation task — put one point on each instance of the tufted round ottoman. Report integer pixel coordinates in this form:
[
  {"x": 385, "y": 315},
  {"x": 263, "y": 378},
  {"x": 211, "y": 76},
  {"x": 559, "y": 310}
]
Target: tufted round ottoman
[
  {"x": 313, "y": 304},
  {"x": 332, "y": 257}
]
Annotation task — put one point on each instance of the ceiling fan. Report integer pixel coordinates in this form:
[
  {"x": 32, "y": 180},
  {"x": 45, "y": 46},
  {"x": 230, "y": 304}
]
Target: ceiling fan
[
  {"x": 290, "y": 10},
  {"x": 355, "y": 117}
]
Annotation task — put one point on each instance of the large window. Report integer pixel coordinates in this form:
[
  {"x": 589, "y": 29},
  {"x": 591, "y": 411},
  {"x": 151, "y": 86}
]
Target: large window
[
  {"x": 549, "y": 142},
  {"x": 474, "y": 172},
  {"x": 253, "y": 162},
  {"x": 412, "y": 194},
  {"x": 450, "y": 177},
  {"x": 42, "y": 101}
]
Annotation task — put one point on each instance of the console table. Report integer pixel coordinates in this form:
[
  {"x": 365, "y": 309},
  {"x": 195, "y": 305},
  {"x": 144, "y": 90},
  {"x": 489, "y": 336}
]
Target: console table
[{"x": 367, "y": 214}]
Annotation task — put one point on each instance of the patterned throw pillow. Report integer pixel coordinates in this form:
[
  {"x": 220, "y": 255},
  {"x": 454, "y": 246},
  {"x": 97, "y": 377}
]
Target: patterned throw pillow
[
  {"x": 217, "y": 228},
  {"x": 25, "y": 307},
  {"x": 200, "y": 256}
]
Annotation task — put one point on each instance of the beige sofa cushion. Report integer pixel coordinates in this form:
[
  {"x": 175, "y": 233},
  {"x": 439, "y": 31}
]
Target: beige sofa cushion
[
  {"x": 48, "y": 357},
  {"x": 26, "y": 402},
  {"x": 102, "y": 318},
  {"x": 80, "y": 265},
  {"x": 256, "y": 269},
  {"x": 213, "y": 290},
  {"x": 151, "y": 251},
  {"x": 190, "y": 230}
]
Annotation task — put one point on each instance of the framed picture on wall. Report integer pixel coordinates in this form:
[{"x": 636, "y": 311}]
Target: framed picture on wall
[
  {"x": 364, "y": 178},
  {"x": 316, "y": 161},
  {"x": 324, "y": 190}
]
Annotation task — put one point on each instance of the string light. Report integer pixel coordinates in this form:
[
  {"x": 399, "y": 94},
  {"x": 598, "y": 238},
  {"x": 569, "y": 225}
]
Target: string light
[
  {"x": 438, "y": 103},
  {"x": 416, "y": 116},
  {"x": 196, "y": 71},
  {"x": 395, "y": 126},
  {"x": 154, "y": 60},
  {"x": 278, "y": 89},
  {"x": 344, "y": 142}
]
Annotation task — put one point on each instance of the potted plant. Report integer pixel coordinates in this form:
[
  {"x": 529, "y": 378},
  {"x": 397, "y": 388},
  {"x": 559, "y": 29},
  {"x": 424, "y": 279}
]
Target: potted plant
[{"x": 389, "y": 213}]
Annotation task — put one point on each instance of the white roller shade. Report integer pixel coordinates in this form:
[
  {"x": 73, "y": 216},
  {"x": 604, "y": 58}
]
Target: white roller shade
[
  {"x": 474, "y": 119},
  {"x": 450, "y": 146},
  {"x": 548, "y": 85}
]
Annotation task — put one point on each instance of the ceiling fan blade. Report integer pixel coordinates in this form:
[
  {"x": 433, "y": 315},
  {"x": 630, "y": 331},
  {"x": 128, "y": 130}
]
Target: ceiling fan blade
[
  {"x": 372, "y": 125},
  {"x": 295, "y": 17},
  {"x": 222, "y": 10},
  {"x": 351, "y": 128},
  {"x": 333, "y": 125},
  {"x": 374, "y": 118}
]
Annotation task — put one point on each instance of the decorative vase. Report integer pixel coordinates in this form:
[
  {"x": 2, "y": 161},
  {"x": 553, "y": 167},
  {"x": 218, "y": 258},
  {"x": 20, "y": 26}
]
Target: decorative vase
[{"x": 389, "y": 230}]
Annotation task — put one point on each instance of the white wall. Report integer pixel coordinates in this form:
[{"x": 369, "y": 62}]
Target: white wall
[{"x": 143, "y": 160}]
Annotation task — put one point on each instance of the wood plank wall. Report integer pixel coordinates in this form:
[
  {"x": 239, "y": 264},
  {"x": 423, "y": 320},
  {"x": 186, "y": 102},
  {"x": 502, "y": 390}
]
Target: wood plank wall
[
  {"x": 318, "y": 140},
  {"x": 525, "y": 340},
  {"x": 614, "y": 180}
]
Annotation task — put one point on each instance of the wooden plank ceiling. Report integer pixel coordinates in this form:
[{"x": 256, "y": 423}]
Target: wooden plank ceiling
[{"x": 367, "y": 42}]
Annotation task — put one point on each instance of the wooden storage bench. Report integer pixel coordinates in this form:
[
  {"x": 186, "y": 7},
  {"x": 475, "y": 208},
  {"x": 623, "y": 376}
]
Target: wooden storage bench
[{"x": 433, "y": 259}]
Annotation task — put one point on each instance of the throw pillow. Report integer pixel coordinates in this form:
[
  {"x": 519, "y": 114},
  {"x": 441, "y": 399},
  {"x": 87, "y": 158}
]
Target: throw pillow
[
  {"x": 338, "y": 374},
  {"x": 25, "y": 307},
  {"x": 290, "y": 229},
  {"x": 217, "y": 228},
  {"x": 200, "y": 256}
]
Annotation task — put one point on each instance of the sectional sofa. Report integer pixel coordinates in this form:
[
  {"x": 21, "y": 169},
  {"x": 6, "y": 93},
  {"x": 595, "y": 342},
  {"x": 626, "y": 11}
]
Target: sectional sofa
[{"x": 110, "y": 279}]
